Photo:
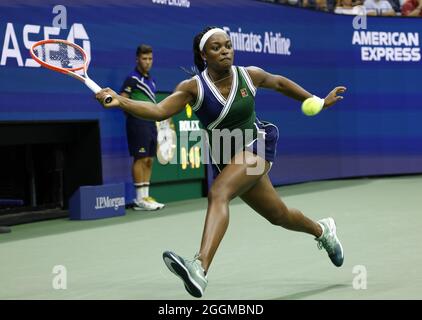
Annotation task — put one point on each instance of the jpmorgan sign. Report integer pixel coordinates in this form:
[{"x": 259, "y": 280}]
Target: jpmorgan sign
[{"x": 96, "y": 202}]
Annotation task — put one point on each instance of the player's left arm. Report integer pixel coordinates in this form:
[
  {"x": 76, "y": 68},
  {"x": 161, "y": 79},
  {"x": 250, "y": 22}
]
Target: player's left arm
[{"x": 264, "y": 79}]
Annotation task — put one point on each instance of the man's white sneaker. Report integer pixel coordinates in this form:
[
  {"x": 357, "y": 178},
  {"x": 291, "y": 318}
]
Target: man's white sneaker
[
  {"x": 143, "y": 205},
  {"x": 155, "y": 203}
]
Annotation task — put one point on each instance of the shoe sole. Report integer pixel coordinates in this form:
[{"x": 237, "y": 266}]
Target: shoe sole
[
  {"x": 144, "y": 209},
  {"x": 178, "y": 268},
  {"x": 161, "y": 207}
]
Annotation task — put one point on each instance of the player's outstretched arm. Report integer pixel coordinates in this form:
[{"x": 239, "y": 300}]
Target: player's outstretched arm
[
  {"x": 184, "y": 93},
  {"x": 289, "y": 88}
]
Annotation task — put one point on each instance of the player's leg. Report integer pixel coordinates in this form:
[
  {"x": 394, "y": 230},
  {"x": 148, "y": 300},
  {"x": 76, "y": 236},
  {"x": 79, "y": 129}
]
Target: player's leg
[
  {"x": 263, "y": 198},
  {"x": 231, "y": 182}
]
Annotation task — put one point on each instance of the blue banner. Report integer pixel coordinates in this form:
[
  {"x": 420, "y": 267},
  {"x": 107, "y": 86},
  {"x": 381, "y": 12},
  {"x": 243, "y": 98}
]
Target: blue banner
[
  {"x": 97, "y": 202},
  {"x": 375, "y": 130}
]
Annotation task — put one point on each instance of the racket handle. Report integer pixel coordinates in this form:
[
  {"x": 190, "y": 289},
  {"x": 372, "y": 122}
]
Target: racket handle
[
  {"x": 96, "y": 88},
  {"x": 92, "y": 85}
]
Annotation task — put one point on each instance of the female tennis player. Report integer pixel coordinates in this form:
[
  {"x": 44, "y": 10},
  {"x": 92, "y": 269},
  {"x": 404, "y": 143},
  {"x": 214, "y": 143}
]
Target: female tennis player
[{"x": 222, "y": 96}]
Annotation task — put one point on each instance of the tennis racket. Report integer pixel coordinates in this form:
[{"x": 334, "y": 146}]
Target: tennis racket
[{"x": 65, "y": 57}]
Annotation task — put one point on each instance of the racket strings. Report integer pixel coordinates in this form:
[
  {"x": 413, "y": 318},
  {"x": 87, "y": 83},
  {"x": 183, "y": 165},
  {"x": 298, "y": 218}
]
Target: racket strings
[{"x": 60, "y": 55}]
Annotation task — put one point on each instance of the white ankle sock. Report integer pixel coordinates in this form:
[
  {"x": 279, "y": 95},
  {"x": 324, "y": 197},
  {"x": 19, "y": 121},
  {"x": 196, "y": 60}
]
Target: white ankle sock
[
  {"x": 323, "y": 230},
  {"x": 142, "y": 190}
]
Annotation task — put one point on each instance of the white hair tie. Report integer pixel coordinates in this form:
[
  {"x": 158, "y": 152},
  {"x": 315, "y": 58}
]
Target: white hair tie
[{"x": 207, "y": 35}]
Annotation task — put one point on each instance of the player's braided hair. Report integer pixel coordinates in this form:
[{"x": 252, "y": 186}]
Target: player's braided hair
[{"x": 199, "y": 63}]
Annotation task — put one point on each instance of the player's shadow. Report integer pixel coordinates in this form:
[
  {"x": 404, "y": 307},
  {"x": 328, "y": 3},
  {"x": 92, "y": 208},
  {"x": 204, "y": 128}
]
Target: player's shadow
[{"x": 309, "y": 293}]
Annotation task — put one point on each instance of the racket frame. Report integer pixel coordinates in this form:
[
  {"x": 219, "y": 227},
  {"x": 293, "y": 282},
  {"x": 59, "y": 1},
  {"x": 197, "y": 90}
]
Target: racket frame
[{"x": 69, "y": 71}]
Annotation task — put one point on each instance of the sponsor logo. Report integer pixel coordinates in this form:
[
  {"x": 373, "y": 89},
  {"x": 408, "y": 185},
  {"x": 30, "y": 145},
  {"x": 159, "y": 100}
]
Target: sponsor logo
[
  {"x": 388, "y": 46},
  {"x": 107, "y": 202},
  {"x": 270, "y": 42},
  {"x": 189, "y": 125},
  {"x": 16, "y": 43},
  {"x": 173, "y": 3}
]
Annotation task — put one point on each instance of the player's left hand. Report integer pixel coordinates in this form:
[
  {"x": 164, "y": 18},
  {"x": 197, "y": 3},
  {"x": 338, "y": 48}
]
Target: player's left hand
[
  {"x": 333, "y": 96},
  {"x": 100, "y": 96}
]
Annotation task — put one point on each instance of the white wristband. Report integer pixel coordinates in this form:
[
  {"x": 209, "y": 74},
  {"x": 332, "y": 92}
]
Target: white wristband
[{"x": 320, "y": 100}]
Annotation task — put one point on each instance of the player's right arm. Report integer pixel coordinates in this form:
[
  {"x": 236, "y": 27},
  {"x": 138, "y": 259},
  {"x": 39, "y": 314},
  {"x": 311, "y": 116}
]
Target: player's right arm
[{"x": 185, "y": 92}]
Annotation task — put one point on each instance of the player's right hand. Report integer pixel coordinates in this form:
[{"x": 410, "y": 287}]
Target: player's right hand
[{"x": 100, "y": 96}]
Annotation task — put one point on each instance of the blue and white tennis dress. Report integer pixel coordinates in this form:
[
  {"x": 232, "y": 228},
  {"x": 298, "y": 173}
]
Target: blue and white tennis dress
[{"x": 233, "y": 119}]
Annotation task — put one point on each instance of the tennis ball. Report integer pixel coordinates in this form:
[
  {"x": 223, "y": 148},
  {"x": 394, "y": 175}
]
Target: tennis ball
[{"x": 312, "y": 106}]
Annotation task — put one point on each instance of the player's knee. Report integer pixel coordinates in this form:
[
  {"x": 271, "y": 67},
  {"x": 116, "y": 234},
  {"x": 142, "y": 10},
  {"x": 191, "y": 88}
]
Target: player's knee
[{"x": 219, "y": 194}]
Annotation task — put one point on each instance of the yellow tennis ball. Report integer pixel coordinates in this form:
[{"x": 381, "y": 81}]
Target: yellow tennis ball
[{"x": 312, "y": 106}]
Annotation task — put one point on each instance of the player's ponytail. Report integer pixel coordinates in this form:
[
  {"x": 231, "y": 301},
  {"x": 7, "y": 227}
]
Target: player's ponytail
[{"x": 199, "y": 62}]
